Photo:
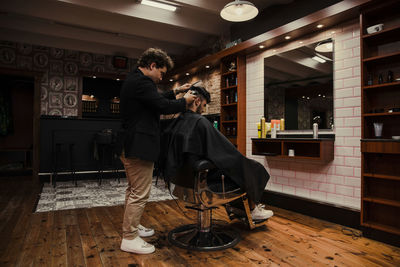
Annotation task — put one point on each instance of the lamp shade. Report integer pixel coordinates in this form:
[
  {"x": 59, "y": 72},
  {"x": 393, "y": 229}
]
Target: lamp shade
[
  {"x": 324, "y": 46},
  {"x": 238, "y": 11}
]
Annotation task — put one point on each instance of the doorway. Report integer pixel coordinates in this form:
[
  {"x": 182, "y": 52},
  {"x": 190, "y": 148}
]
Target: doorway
[{"x": 17, "y": 96}]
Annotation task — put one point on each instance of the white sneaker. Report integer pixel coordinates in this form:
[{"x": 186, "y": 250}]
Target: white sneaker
[
  {"x": 145, "y": 232},
  {"x": 137, "y": 245},
  {"x": 259, "y": 213}
]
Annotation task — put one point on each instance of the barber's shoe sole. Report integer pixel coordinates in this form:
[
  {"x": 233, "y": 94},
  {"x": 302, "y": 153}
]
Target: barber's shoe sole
[{"x": 137, "y": 246}]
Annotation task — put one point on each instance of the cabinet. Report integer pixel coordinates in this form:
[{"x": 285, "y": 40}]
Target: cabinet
[
  {"x": 380, "y": 110},
  {"x": 233, "y": 100}
]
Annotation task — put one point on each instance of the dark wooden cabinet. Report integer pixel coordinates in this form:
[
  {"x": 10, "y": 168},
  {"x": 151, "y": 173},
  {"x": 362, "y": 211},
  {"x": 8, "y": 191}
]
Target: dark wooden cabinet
[
  {"x": 380, "y": 67},
  {"x": 233, "y": 100}
]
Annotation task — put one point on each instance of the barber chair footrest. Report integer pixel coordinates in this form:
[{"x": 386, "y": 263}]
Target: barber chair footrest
[
  {"x": 236, "y": 214},
  {"x": 190, "y": 237}
]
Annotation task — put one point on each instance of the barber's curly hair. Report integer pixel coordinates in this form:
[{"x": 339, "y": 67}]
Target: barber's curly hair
[{"x": 157, "y": 56}]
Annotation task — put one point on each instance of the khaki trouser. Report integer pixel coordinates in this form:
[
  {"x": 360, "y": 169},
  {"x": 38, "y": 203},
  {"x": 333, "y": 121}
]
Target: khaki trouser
[{"x": 139, "y": 174}]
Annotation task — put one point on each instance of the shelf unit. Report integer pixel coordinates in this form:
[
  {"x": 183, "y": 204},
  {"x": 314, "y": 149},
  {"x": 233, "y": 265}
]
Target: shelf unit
[
  {"x": 305, "y": 148},
  {"x": 233, "y": 100},
  {"x": 100, "y": 97},
  {"x": 380, "y": 55}
]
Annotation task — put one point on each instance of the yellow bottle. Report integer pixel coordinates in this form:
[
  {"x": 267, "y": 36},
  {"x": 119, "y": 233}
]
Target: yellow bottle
[
  {"x": 282, "y": 124},
  {"x": 263, "y": 132},
  {"x": 259, "y": 129}
]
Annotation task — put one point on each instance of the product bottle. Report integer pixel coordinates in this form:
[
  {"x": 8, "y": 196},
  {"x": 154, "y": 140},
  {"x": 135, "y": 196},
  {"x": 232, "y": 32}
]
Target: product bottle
[
  {"x": 259, "y": 129},
  {"x": 215, "y": 124},
  {"x": 263, "y": 132},
  {"x": 390, "y": 76},
  {"x": 315, "y": 130},
  {"x": 273, "y": 131},
  {"x": 380, "y": 78},
  {"x": 282, "y": 124}
]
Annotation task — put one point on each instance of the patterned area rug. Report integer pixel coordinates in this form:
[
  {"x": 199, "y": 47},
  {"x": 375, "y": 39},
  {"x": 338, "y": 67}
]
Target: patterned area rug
[{"x": 88, "y": 194}]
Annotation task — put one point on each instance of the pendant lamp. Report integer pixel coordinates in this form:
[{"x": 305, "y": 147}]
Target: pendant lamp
[
  {"x": 324, "y": 46},
  {"x": 238, "y": 11}
]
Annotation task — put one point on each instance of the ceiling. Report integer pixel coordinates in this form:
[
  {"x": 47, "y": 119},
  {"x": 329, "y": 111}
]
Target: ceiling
[{"x": 119, "y": 27}]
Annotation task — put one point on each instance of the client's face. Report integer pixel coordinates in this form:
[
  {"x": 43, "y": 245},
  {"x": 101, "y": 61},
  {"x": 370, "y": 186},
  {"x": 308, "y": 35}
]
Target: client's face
[{"x": 201, "y": 107}]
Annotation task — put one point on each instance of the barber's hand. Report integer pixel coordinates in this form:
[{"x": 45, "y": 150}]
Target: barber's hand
[
  {"x": 189, "y": 98},
  {"x": 182, "y": 89}
]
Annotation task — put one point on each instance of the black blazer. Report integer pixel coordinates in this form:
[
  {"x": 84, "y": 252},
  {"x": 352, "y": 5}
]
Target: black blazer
[{"x": 140, "y": 107}]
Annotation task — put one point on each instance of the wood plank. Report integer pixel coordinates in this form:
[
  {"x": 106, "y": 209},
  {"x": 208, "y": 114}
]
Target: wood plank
[
  {"x": 74, "y": 246},
  {"x": 43, "y": 258},
  {"x": 59, "y": 241},
  {"x": 89, "y": 246}
]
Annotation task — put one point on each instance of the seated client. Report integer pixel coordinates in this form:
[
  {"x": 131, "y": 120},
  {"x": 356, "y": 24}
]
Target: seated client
[{"x": 192, "y": 134}]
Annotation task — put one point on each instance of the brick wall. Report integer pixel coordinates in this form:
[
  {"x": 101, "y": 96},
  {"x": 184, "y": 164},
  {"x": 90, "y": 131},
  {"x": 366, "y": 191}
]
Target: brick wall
[
  {"x": 337, "y": 182},
  {"x": 212, "y": 81}
]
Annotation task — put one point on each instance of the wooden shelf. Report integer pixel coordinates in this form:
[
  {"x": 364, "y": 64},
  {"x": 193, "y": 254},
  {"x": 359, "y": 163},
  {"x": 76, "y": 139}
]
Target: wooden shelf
[
  {"x": 382, "y": 227},
  {"x": 382, "y": 35},
  {"x": 233, "y": 100},
  {"x": 381, "y": 114},
  {"x": 383, "y": 201},
  {"x": 382, "y": 176},
  {"x": 382, "y": 58},
  {"x": 229, "y": 105},
  {"x": 386, "y": 147},
  {"x": 305, "y": 149},
  {"x": 382, "y": 85},
  {"x": 229, "y": 73},
  {"x": 229, "y": 87}
]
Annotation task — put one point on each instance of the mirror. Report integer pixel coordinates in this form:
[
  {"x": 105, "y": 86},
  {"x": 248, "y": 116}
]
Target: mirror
[{"x": 298, "y": 86}]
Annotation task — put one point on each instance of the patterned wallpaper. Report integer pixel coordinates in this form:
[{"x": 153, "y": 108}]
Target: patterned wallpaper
[{"x": 61, "y": 81}]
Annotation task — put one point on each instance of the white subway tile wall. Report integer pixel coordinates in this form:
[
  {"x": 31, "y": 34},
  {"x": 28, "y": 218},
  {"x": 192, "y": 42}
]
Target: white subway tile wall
[{"x": 337, "y": 182}]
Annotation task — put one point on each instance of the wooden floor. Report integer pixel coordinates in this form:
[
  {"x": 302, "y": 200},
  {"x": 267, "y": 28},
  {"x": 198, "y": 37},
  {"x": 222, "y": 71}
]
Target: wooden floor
[{"x": 91, "y": 237}]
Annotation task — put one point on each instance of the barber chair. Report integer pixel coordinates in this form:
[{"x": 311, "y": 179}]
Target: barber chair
[{"x": 194, "y": 186}]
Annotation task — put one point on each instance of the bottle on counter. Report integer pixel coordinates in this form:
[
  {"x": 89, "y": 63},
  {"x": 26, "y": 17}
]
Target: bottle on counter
[
  {"x": 263, "y": 131},
  {"x": 259, "y": 129},
  {"x": 282, "y": 124},
  {"x": 315, "y": 130},
  {"x": 273, "y": 131}
]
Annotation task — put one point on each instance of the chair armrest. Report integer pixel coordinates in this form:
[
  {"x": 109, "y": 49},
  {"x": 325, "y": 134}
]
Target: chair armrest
[{"x": 202, "y": 165}]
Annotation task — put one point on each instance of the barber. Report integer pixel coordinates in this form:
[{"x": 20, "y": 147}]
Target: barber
[{"x": 138, "y": 142}]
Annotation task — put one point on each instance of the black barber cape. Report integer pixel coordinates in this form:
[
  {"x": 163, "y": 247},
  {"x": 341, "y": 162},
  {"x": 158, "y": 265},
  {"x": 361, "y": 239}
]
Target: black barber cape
[{"x": 191, "y": 133}]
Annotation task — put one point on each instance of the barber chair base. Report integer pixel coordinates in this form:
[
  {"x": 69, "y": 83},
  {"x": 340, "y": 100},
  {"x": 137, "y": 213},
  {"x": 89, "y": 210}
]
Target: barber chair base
[{"x": 190, "y": 237}]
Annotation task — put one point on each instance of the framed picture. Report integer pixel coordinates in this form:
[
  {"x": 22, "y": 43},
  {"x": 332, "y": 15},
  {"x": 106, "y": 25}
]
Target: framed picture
[{"x": 120, "y": 62}]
